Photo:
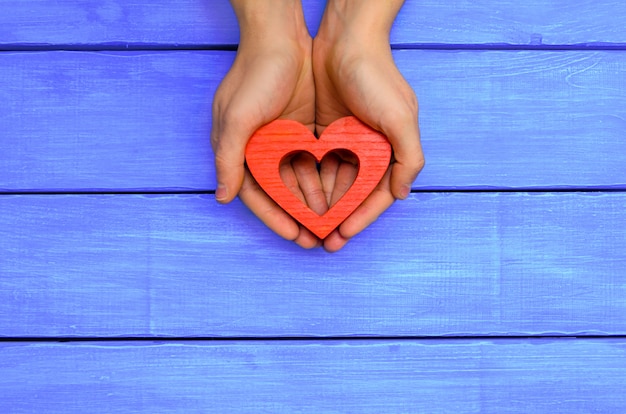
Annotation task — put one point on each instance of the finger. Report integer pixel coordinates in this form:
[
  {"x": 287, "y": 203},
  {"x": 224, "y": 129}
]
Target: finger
[
  {"x": 328, "y": 172},
  {"x": 289, "y": 177},
  {"x": 229, "y": 145},
  {"x": 346, "y": 174},
  {"x": 273, "y": 216},
  {"x": 267, "y": 210},
  {"x": 307, "y": 240},
  {"x": 408, "y": 155},
  {"x": 305, "y": 168},
  {"x": 369, "y": 210},
  {"x": 334, "y": 242}
]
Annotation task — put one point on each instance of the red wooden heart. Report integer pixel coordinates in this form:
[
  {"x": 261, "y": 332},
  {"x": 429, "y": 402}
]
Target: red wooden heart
[{"x": 271, "y": 143}]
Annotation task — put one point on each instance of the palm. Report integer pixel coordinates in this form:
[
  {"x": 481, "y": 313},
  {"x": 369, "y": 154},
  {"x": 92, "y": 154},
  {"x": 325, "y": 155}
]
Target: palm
[{"x": 361, "y": 81}]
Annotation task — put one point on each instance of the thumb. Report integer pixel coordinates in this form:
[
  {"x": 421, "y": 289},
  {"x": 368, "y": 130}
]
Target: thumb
[
  {"x": 229, "y": 147},
  {"x": 408, "y": 155}
]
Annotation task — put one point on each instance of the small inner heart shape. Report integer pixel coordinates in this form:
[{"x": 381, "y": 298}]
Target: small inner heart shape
[{"x": 278, "y": 139}]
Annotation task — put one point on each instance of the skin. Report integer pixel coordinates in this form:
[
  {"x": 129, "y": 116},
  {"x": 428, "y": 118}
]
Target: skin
[
  {"x": 280, "y": 72},
  {"x": 271, "y": 78}
]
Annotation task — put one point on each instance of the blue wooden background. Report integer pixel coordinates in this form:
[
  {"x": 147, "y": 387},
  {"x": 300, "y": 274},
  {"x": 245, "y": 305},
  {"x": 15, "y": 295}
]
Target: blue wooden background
[{"x": 498, "y": 286}]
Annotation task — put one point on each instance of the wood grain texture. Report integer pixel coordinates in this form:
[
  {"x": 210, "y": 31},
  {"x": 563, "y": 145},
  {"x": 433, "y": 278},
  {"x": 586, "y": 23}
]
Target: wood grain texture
[
  {"x": 77, "y": 121},
  {"x": 481, "y": 376},
  {"x": 145, "y": 23},
  {"x": 73, "y": 117},
  {"x": 463, "y": 264},
  {"x": 272, "y": 143},
  {"x": 436, "y": 264}
]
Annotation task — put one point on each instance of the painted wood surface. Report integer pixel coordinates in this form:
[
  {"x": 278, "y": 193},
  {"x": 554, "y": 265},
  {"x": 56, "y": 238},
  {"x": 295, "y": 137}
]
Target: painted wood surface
[
  {"x": 480, "y": 376},
  {"x": 476, "y": 263},
  {"x": 140, "y": 121},
  {"x": 436, "y": 264},
  {"x": 189, "y": 23}
]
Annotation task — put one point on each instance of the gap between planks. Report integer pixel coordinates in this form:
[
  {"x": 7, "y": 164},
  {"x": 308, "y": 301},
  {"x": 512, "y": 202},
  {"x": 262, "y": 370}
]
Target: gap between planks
[
  {"x": 65, "y": 339},
  {"x": 147, "y": 47},
  {"x": 443, "y": 190}
]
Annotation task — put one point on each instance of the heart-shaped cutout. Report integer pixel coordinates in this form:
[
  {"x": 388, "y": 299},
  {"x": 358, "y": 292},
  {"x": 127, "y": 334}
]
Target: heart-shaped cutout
[{"x": 280, "y": 138}]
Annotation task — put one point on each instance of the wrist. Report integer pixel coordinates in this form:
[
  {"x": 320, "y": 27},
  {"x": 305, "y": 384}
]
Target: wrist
[
  {"x": 367, "y": 20},
  {"x": 270, "y": 22}
]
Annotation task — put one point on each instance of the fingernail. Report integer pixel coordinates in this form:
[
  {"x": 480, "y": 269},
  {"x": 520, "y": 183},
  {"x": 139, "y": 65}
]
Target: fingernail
[
  {"x": 404, "y": 191},
  {"x": 221, "y": 193}
]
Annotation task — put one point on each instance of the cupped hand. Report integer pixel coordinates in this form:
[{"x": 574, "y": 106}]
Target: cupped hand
[
  {"x": 355, "y": 75},
  {"x": 271, "y": 78}
]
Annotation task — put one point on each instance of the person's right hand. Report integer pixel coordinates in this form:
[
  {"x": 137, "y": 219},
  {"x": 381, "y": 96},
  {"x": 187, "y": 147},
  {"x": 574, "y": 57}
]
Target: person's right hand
[{"x": 271, "y": 78}]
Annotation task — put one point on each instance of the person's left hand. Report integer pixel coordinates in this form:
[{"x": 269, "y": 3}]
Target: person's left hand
[{"x": 355, "y": 75}]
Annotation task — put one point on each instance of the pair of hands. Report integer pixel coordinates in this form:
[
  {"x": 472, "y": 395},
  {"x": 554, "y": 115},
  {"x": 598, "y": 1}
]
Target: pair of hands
[{"x": 280, "y": 72}]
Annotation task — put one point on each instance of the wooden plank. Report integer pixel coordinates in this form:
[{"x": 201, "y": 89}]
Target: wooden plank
[
  {"x": 192, "y": 22},
  {"x": 437, "y": 264},
  {"x": 479, "y": 376},
  {"x": 141, "y": 121},
  {"x": 74, "y": 117}
]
